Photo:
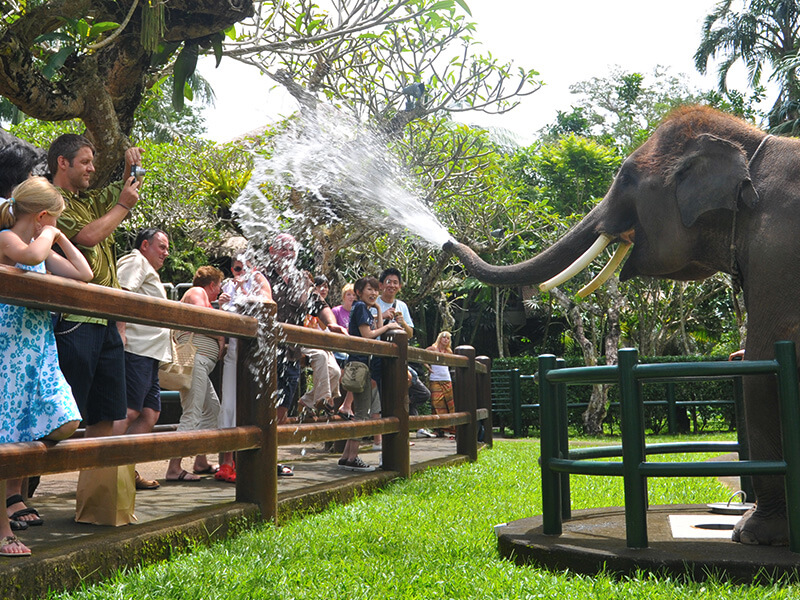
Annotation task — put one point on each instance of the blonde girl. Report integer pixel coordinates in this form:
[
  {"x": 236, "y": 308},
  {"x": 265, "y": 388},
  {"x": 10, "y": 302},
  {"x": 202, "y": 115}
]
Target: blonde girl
[
  {"x": 35, "y": 400},
  {"x": 441, "y": 384}
]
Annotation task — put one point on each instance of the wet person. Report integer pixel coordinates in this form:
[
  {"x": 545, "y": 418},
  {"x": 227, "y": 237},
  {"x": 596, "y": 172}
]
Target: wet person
[
  {"x": 295, "y": 297},
  {"x": 246, "y": 284}
]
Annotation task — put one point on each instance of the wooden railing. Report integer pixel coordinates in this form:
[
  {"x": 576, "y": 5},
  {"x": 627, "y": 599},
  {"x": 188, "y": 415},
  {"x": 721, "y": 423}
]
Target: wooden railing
[{"x": 257, "y": 436}]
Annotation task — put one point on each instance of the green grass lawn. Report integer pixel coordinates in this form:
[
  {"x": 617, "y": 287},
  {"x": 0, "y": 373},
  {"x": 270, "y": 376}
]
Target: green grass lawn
[{"x": 429, "y": 537}]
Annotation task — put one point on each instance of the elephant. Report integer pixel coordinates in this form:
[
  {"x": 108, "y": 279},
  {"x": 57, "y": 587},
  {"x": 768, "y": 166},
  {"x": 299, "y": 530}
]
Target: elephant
[{"x": 707, "y": 192}]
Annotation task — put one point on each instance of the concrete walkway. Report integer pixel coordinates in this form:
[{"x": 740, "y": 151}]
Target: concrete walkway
[{"x": 179, "y": 514}]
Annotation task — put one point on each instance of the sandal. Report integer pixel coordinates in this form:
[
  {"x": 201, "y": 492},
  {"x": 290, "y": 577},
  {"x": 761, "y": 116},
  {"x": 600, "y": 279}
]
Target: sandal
[
  {"x": 209, "y": 470},
  {"x": 345, "y": 415},
  {"x": 18, "y": 525},
  {"x": 12, "y": 540},
  {"x": 327, "y": 409},
  {"x": 183, "y": 476},
  {"x": 285, "y": 471},
  {"x": 15, "y": 499}
]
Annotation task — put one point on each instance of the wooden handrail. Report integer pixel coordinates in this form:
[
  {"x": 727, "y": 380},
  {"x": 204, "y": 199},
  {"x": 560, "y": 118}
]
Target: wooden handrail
[
  {"x": 45, "y": 458},
  {"x": 257, "y": 437}
]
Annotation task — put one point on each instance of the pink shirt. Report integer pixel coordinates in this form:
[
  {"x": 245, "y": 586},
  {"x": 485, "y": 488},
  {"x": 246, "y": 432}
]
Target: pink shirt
[{"x": 342, "y": 315}]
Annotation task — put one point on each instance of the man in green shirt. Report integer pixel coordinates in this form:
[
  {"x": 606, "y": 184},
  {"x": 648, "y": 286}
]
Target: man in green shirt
[{"x": 90, "y": 350}]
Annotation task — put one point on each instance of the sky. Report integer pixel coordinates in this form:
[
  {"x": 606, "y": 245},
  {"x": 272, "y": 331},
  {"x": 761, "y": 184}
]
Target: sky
[{"x": 566, "y": 42}]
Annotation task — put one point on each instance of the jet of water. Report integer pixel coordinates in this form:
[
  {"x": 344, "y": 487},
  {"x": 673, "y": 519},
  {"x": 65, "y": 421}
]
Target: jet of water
[{"x": 347, "y": 174}]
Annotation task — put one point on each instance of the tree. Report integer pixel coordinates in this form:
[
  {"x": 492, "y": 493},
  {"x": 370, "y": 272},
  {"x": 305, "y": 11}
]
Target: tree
[
  {"x": 574, "y": 171},
  {"x": 392, "y": 62},
  {"x": 93, "y": 59},
  {"x": 624, "y": 108},
  {"x": 406, "y": 67},
  {"x": 764, "y": 33}
]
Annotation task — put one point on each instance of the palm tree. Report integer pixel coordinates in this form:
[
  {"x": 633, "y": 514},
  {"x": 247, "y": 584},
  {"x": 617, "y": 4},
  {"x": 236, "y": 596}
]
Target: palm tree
[{"x": 764, "y": 33}]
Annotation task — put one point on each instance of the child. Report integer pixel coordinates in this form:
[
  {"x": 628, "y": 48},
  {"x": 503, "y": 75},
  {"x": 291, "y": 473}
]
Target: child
[
  {"x": 35, "y": 400},
  {"x": 363, "y": 324}
]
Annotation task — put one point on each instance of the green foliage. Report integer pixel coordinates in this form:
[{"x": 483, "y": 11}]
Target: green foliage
[
  {"x": 626, "y": 107},
  {"x": 763, "y": 34},
  {"x": 42, "y": 133},
  {"x": 575, "y": 172},
  {"x": 158, "y": 121},
  {"x": 187, "y": 192}
]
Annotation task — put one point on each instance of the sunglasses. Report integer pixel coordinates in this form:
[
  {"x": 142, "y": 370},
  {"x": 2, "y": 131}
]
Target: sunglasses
[{"x": 236, "y": 269}]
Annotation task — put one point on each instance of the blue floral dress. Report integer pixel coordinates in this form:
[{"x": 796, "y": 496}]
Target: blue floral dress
[{"x": 35, "y": 399}]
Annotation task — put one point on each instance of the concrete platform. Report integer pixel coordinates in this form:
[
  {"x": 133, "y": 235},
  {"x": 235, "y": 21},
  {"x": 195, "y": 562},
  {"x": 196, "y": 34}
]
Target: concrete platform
[
  {"x": 594, "y": 540},
  {"x": 179, "y": 515}
]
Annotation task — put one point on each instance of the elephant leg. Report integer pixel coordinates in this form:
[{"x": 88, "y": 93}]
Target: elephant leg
[{"x": 765, "y": 524}]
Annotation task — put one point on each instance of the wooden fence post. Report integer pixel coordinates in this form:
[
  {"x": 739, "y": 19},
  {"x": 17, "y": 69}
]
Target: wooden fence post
[
  {"x": 484, "y": 387},
  {"x": 256, "y": 469},
  {"x": 465, "y": 401},
  {"x": 394, "y": 403}
]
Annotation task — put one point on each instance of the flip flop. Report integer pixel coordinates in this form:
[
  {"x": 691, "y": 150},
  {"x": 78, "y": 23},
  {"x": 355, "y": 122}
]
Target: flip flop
[
  {"x": 209, "y": 470},
  {"x": 285, "y": 471},
  {"x": 18, "y": 525},
  {"x": 7, "y": 541},
  {"x": 15, "y": 499},
  {"x": 182, "y": 477}
]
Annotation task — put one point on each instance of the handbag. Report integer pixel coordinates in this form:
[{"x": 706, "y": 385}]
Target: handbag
[
  {"x": 177, "y": 374},
  {"x": 355, "y": 377},
  {"x": 106, "y": 496}
]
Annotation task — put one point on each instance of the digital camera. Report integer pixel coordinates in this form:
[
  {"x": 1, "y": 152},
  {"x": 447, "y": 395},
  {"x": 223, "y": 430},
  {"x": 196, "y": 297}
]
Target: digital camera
[{"x": 138, "y": 172}]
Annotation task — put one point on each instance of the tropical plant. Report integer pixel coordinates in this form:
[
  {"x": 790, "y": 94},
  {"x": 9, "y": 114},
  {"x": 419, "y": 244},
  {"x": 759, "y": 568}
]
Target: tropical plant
[{"x": 764, "y": 34}]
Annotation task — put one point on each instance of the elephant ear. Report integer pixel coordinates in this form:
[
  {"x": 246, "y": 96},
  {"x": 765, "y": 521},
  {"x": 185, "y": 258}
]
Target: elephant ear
[{"x": 712, "y": 174}]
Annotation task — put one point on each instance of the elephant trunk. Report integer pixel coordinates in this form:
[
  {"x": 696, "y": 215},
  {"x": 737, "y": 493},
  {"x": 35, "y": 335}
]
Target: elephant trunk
[{"x": 537, "y": 269}]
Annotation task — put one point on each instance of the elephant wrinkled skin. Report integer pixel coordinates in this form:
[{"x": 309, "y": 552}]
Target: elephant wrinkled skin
[{"x": 707, "y": 192}]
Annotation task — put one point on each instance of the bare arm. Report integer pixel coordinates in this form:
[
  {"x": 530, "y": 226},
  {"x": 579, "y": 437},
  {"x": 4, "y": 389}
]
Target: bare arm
[
  {"x": 329, "y": 320},
  {"x": 14, "y": 250},
  {"x": 99, "y": 229},
  {"x": 73, "y": 264}
]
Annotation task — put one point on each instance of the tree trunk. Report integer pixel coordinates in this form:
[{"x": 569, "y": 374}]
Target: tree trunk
[{"x": 102, "y": 87}]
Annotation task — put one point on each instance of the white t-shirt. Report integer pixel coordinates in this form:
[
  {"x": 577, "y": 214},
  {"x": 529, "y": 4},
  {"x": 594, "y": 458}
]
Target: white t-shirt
[
  {"x": 398, "y": 305},
  {"x": 137, "y": 275}
]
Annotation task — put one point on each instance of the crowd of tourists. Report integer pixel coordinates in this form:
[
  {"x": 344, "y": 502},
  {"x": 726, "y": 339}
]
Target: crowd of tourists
[{"x": 59, "y": 370}]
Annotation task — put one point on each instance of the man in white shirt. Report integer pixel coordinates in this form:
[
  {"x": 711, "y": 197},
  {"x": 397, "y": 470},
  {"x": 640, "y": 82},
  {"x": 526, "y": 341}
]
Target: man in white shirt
[
  {"x": 145, "y": 346},
  {"x": 392, "y": 308}
]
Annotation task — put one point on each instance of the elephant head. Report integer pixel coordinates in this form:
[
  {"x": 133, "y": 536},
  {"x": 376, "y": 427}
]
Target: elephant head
[
  {"x": 692, "y": 175},
  {"x": 706, "y": 192}
]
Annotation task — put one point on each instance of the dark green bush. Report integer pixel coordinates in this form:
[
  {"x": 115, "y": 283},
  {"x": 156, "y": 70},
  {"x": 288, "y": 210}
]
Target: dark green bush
[{"x": 697, "y": 418}]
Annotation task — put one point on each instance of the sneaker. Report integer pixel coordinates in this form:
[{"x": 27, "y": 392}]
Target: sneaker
[
  {"x": 356, "y": 465},
  {"x": 424, "y": 433}
]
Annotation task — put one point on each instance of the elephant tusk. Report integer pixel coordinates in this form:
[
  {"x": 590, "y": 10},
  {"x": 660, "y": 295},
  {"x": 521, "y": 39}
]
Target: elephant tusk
[
  {"x": 607, "y": 271},
  {"x": 583, "y": 261}
]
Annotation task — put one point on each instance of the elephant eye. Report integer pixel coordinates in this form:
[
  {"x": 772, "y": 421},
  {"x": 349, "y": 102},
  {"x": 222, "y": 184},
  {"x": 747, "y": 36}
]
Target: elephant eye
[{"x": 625, "y": 177}]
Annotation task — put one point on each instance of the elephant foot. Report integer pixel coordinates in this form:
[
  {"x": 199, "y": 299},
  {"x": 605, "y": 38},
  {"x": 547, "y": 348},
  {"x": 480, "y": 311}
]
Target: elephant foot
[{"x": 764, "y": 530}]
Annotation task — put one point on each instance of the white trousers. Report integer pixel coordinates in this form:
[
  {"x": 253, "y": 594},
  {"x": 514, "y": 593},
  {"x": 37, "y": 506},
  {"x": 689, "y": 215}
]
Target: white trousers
[{"x": 326, "y": 373}]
